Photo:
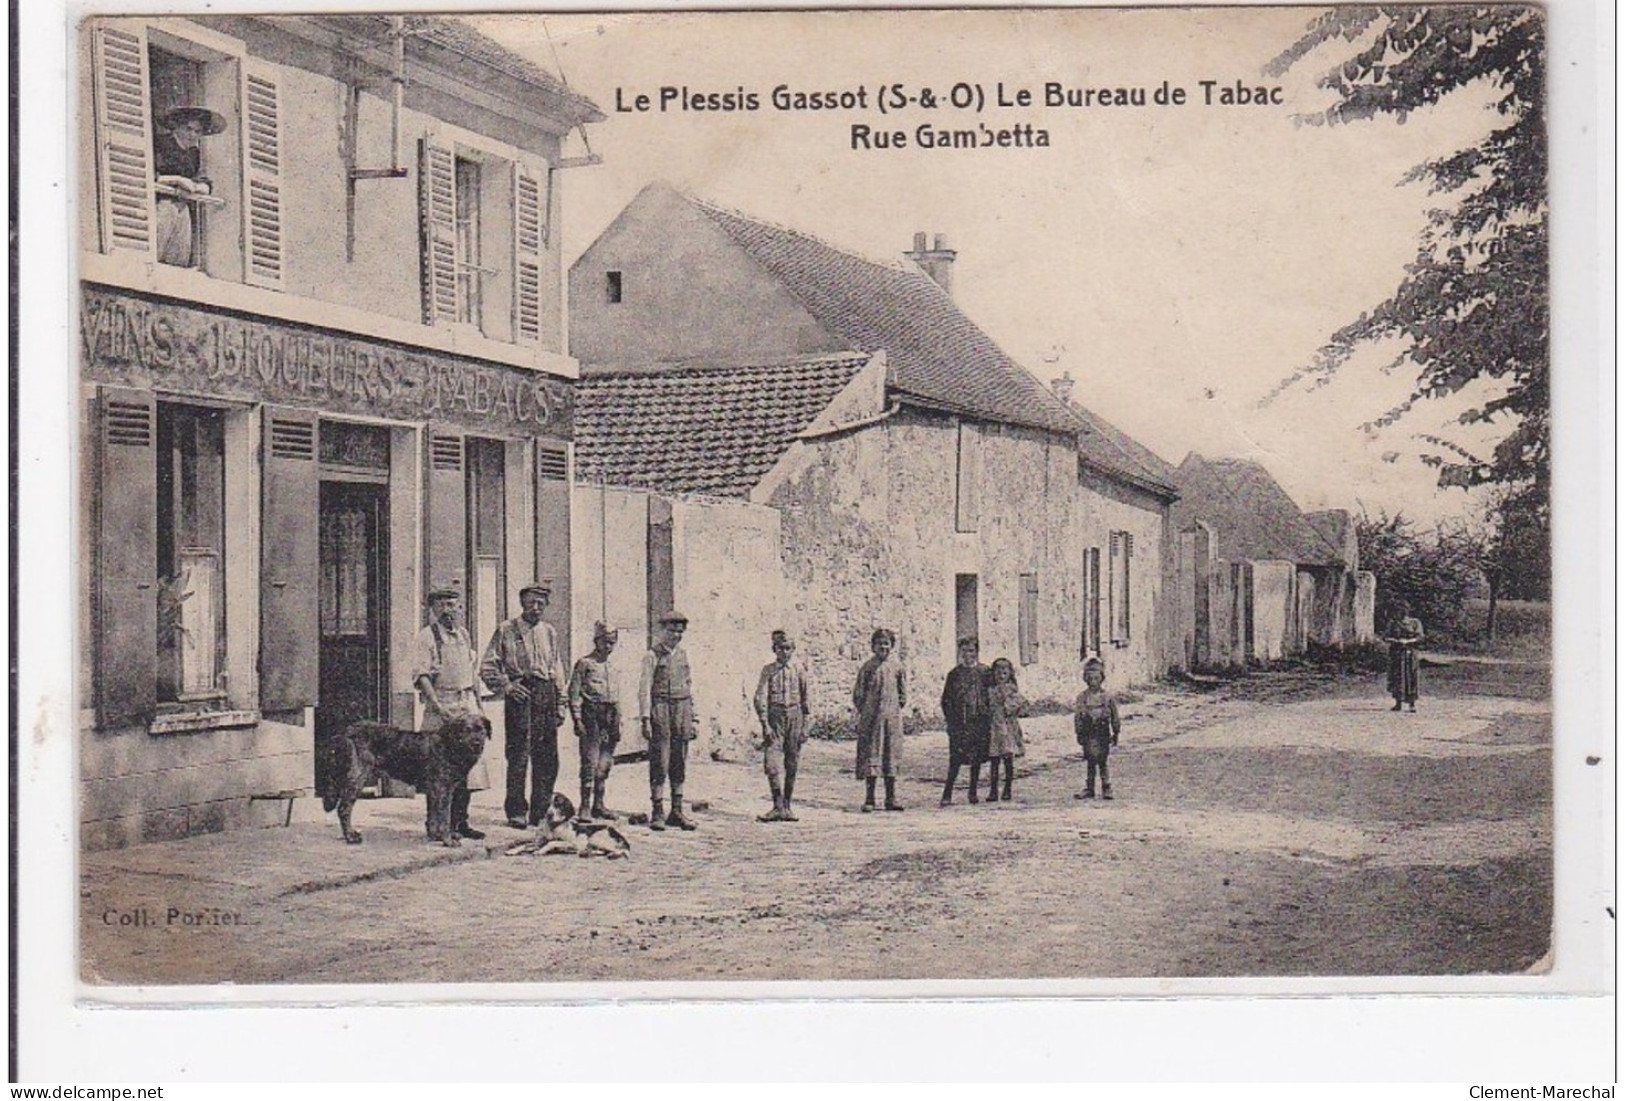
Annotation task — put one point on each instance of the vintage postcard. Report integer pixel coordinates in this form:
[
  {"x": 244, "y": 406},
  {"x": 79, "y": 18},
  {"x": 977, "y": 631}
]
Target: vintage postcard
[{"x": 998, "y": 501}]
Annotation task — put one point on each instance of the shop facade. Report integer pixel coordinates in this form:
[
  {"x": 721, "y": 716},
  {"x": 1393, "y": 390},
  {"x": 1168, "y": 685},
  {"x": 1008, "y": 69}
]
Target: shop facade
[{"x": 290, "y": 433}]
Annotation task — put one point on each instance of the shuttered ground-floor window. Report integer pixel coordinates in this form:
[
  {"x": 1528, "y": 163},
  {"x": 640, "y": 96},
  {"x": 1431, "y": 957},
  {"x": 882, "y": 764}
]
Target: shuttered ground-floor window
[{"x": 160, "y": 556}]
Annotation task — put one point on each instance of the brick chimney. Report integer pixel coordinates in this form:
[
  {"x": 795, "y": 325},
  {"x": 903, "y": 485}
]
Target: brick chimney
[
  {"x": 1062, "y": 387},
  {"x": 937, "y": 261}
]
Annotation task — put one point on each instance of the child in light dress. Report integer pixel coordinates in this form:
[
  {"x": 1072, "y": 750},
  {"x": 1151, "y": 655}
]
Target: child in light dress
[{"x": 1005, "y": 708}]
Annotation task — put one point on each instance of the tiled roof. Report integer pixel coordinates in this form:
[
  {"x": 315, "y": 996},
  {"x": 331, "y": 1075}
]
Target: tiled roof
[
  {"x": 1107, "y": 447},
  {"x": 1251, "y": 515},
  {"x": 709, "y": 430},
  {"x": 937, "y": 354}
]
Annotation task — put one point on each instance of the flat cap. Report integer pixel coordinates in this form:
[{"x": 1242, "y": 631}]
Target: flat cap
[
  {"x": 674, "y": 617},
  {"x": 442, "y": 592},
  {"x": 544, "y": 586}
]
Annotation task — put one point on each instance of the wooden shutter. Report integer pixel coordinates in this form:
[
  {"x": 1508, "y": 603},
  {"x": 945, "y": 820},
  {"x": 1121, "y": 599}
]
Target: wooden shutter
[
  {"x": 530, "y": 239},
  {"x": 1114, "y": 594},
  {"x": 553, "y": 534},
  {"x": 289, "y": 566},
  {"x": 263, "y": 233},
  {"x": 1091, "y": 602},
  {"x": 127, "y": 559},
  {"x": 123, "y": 139},
  {"x": 447, "y": 545},
  {"x": 967, "y": 502},
  {"x": 1128, "y": 585},
  {"x": 1027, "y": 619},
  {"x": 437, "y": 221}
]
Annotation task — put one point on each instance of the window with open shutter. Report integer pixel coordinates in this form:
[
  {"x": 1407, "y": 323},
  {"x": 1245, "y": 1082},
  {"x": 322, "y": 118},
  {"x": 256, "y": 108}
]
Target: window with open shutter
[
  {"x": 437, "y": 217},
  {"x": 1027, "y": 619},
  {"x": 290, "y": 603},
  {"x": 530, "y": 240},
  {"x": 263, "y": 233},
  {"x": 123, "y": 139},
  {"x": 126, "y": 609},
  {"x": 447, "y": 545}
]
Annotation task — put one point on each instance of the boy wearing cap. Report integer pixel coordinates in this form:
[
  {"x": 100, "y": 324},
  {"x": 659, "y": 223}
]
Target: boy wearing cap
[
  {"x": 595, "y": 710},
  {"x": 781, "y": 705},
  {"x": 666, "y": 712},
  {"x": 522, "y": 665},
  {"x": 443, "y": 671}
]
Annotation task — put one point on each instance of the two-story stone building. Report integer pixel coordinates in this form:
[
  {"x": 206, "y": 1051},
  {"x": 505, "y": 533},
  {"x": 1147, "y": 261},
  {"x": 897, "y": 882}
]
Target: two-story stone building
[
  {"x": 323, "y": 370},
  {"x": 917, "y": 478}
]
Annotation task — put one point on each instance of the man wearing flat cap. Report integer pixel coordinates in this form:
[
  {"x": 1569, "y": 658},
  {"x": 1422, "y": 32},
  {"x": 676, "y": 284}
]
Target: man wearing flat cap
[
  {"x": 177, "y": 157},
  {"x": 666, "y": 710},
  {"x": 443, "y": 671},
  {"x": 522, "y": 665},
  {"x": 595, "y": 711}
]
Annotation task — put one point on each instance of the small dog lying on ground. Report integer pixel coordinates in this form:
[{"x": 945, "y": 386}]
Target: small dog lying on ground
[
  {"x": 562, "y": 832},
  {"x": 434, "y": 763}
]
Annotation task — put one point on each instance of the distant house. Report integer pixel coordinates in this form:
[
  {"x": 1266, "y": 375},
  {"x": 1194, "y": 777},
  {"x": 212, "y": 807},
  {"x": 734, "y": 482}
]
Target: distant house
[
  {"x": 1259, "y": 579},
  {"x": 741, "y": 377}
]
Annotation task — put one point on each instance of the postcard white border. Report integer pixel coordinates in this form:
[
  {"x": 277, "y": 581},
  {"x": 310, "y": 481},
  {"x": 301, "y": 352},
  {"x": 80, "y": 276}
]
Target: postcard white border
[{"x": 1497, "y": 1028}]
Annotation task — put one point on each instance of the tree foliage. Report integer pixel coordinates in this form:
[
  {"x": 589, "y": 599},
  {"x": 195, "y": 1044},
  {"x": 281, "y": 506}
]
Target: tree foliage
[
  {"x": 1473, "y": 304},
  {"x": 1434, "y": 573}
]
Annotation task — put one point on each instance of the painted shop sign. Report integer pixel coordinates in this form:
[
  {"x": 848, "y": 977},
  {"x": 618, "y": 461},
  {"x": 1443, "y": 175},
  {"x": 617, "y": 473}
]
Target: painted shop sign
[{"x": 133, "y": 341}]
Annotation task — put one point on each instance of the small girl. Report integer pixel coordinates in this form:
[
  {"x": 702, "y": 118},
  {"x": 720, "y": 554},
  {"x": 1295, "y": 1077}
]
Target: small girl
[
  {"x": 1096, "y": 723},
  {"x": 1005, "y": 707}
]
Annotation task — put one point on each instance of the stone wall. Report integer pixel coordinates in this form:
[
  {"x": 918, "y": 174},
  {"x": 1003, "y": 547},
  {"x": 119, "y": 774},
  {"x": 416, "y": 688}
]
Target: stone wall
[{"x": 870, "y": 540}]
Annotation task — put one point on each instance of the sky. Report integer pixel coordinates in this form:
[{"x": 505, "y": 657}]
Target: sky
[{"x": 1178, "y": 262}]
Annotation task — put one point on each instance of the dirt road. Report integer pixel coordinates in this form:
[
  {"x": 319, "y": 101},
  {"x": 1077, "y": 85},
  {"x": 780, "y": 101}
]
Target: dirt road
[{"x": 1287, "y": 829}]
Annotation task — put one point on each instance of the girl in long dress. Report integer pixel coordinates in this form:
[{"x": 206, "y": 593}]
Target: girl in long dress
[
  {"x": 878, "y": 697},
  {"x": 1405, "y": 637}
]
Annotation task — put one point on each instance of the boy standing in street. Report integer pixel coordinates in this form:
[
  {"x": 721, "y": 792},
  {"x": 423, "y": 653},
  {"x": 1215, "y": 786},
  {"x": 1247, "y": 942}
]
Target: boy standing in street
[
  {"x": 781, "y": 705},
  {"x": 595, "y": 710},
  {"x": 666, "y": 710}
]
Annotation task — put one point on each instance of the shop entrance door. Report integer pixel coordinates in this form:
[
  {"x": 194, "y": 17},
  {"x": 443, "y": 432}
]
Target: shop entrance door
[{"x": 353, "y": 666}]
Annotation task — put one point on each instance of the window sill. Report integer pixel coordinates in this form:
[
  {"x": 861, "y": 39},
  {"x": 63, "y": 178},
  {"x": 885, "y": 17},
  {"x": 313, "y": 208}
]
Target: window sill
[{"x": 192, "y": 722}]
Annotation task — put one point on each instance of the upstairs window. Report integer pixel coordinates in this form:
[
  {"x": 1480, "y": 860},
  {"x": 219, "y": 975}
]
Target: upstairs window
[
  {"x": 612, "y": 287},
  {"x": 188, "y": 151},
  {"x": 484, "y": 236}
]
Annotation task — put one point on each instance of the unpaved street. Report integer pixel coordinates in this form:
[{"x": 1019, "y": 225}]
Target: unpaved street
[{"x": 1285, "y": 829}]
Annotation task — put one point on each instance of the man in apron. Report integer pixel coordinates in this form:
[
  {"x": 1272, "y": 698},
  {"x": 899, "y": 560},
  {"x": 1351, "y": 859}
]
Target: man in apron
[{"x": 444, "y": 666}]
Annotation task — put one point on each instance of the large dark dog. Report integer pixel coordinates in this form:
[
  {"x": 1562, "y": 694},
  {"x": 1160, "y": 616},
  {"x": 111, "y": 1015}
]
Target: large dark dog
[{"x": 434, "y": 763}]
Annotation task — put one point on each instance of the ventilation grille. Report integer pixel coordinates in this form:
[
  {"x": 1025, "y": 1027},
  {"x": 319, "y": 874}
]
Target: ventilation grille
[
  {"x": 129, "y": 423},
  {"x": 293, "y": 439},
  {"x": 552, "y": 465},
  {"x": 446, "y": 452}
]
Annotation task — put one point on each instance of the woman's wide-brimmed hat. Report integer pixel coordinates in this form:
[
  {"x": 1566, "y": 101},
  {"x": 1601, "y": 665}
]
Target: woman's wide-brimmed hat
[{"x": 210, "y": 122}]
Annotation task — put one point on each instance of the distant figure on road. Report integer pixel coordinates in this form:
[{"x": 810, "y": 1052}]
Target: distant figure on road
[
  {"x": 965, "y": 707},
  {"x": 1096, "y": 723},
  {"x": 879, "y": 697},
  {"x": 781, "y": 705},
  {"x": 1404, "y": 661},
  {"x": 1005, "y": 708}
]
